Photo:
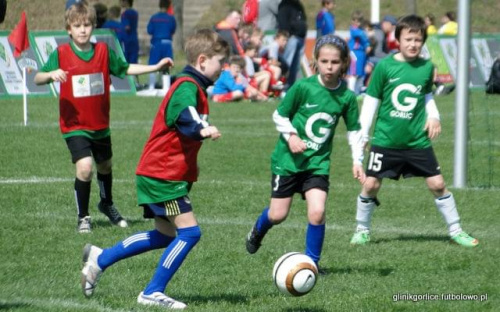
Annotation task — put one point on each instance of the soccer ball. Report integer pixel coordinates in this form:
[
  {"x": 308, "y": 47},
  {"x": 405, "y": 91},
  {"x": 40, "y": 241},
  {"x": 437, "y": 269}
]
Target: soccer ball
[{"x": 295, "y": 274}]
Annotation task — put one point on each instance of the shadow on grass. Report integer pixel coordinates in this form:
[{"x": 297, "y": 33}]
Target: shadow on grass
[
  {"x": 415, "y": 238},
  {"x": 229, "y": 298},
  {"x": 352, "y": 270},
  {"x": 13, "y": 306},
  {"x": 105, "y": 223},
  {"x": 303, "y": 310}
]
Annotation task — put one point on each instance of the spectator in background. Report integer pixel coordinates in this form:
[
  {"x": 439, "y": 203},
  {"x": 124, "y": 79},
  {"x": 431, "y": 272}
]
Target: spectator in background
[
  {"x": 260, "y": 79},
  {"x": 325, "y": 20},
  {"x": 359, "y": 45},
  {"x": 102, "y": 13},
  {"x": 268, "y": 15},
  {"x": 129, "y": 20},
  {"x": 449, "y": 25},
  {"x": 388, "y": 26},
  {"x": 377, "y": 43},
  {"x": 71, "y": 2},
  {"x": 233, "y": 86},
  {"x": 161, "y": 27},
  {"x": 274, "y": 53},
  {"x": 113, "y": 23},
  {"x": 430, "y": 22},
  {"x": 292, "y": 18},
  {"x": 228, "y": 30},
  {"x": 3, "y": 10}
]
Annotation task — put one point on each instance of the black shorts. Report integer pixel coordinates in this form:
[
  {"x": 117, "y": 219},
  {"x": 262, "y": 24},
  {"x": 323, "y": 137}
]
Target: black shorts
[
  {"x": 286, "y": 186},
  {"x": 82, "y": 146},
  {"x": 167, "y": 208},
  {"x": 392, "y": 163}
]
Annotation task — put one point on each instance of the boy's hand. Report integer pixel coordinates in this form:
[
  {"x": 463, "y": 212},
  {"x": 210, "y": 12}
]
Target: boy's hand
[
  {"x": 296, "y": 145},
  {"x": 165, "y": 63},
  {"x": 210, "y": 132},
  {"x": 59, "y": 75},
  {"x": 358, "y": 173},
  {"x": 433, "y": 128}
]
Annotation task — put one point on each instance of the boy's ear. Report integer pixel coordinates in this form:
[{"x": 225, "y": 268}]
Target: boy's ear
[{"x": 202, "y": 58}]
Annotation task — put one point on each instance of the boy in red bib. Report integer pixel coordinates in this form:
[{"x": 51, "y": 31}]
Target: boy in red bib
[
  {"x": 166, "y": 171},
  {"x": 83, "y": 70}
]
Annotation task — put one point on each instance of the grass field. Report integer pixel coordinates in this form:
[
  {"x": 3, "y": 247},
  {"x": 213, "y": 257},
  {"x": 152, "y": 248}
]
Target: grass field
[{"x": 40, "y": 257}]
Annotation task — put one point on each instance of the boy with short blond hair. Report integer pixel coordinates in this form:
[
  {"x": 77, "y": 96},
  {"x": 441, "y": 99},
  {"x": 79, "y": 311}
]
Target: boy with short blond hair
[
  {"x": 83, "y": 69},
  {"x": 166, "y": 171}
]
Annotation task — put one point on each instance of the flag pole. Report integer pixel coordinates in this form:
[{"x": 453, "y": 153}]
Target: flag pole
[{"x": 25, "y": 98}]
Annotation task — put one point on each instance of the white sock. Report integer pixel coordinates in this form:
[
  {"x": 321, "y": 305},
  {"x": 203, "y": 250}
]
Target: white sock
[
  {"x": 152, "y": 81},
  {"x": 448, "y": 209},
  {"x": 364, "y": 212}
]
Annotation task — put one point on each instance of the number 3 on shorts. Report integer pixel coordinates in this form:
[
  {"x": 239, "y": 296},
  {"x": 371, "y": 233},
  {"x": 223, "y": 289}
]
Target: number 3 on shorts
[{"x": 375, "y": 162}]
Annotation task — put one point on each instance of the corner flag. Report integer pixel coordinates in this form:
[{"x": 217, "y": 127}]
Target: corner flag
[
  {"x": 19, "y": 39},
  {"x": 19, "y": 36}
]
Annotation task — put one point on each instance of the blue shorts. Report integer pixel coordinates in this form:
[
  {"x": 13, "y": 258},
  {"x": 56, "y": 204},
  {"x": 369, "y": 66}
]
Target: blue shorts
[
  {"x": 167, "y": 208},
  {"x": 159, "y": 50}
]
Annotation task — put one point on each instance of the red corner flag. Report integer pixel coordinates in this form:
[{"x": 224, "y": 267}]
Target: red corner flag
[{"x": 19, "y": 36}]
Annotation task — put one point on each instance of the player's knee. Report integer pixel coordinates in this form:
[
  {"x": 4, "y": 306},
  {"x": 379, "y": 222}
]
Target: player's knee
[
  {"x": 84, "y": 172},
  {"x": 437, "y": 185},
  {"x": 371, "y": 187},
  {"x": 316, "y": 215},
  {"x": 104, "y": 167},
  {"x": 276, "y": 217},
  {"x": 192, "y": 234}
]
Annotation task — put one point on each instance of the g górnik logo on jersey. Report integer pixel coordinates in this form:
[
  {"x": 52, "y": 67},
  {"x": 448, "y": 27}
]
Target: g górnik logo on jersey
[
  {"x": 318, "y": 137},
  {"x": 404, "y": 110}
]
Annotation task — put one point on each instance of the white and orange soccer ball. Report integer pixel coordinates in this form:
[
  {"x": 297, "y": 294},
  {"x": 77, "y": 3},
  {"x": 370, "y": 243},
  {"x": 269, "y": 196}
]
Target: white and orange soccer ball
[{"x": 295, "y": 274}]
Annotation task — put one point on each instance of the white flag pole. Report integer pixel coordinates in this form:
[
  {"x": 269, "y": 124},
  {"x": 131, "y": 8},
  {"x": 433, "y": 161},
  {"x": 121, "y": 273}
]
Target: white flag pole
[{"x": 25, "y": 98}]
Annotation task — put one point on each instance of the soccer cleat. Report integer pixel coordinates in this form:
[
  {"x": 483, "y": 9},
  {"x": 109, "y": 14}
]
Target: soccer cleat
[
  {"x": 253, "y": 240},
  {"x": 91, "y": 271},
  {"x": 84, "y": 225},
  {"x": 112, "y": 213},
  {"x": 160, "y": 299},
  {"x": 360, "y": 238},
  {"x": 464, "y": 239}
]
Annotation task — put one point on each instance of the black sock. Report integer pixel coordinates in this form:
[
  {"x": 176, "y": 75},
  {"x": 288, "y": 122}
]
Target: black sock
[
  {"x": 105, "y": 182},
  {"x": 82, "y": 195}
]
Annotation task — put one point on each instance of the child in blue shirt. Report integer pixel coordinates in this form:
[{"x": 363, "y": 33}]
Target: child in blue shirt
[
  {"x": 113, "y": 23},
  {"x": 359, "y": 46},
  {"x": 325, "y": 20},
  {"x": 161, "y": 27},
  {"x": 129, "y": 20},
  {"x": 233, "y": 86}
]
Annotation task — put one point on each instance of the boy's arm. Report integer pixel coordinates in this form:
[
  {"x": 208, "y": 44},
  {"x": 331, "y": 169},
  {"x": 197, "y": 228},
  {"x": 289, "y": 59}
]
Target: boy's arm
[
  {"x": 191, "y": 125},
  {"x": 370, "y": 105},
  {"x": 47, "y": 77},
  {"x": 433, "y": 123},
  {"x": 138, "y": 69}
]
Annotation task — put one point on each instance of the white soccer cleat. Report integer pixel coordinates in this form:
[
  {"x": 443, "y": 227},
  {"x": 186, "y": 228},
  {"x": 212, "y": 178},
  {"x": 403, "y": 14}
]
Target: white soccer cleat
[
  {"x": 91, "y": 271},
  {"x": 160, "y": 299}
]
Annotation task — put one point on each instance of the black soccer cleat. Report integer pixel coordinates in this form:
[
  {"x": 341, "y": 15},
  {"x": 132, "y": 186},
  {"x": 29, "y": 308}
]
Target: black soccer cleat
[
  {"x": 112, "y": 213},
  {"x": 253, "y": 240}
]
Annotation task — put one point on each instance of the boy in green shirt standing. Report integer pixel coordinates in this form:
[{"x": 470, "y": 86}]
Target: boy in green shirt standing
[
  {"x": 407, "y": 120},
  {"x": 83, "y": 69}
]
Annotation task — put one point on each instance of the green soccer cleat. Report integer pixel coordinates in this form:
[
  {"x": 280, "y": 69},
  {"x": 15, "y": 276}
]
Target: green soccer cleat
[
  {"x": 360, "y": 238},
  {"x": 465, "y": 240}
]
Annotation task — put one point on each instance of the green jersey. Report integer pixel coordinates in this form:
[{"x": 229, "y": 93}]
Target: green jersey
[
  {"x": 401, "y": 88},
  {"x": 314, "y": 111}
]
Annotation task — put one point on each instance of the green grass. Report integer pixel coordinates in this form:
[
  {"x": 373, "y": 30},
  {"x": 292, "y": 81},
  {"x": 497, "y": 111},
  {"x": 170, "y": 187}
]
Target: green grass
[{"x": 40, "y": 257}]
